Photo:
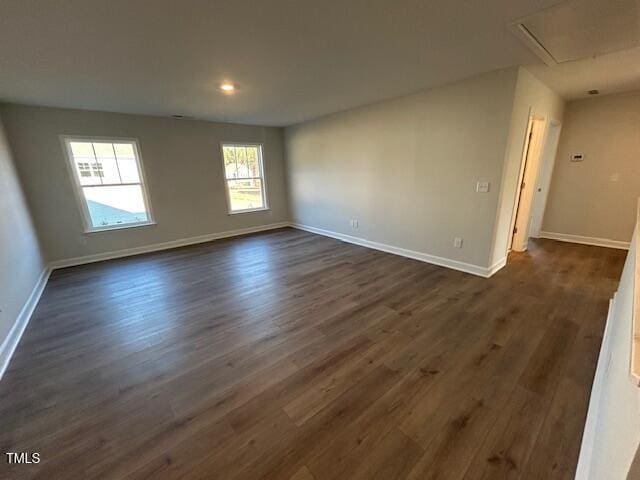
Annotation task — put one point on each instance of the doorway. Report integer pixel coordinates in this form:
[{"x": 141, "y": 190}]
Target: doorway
[
  {"x": 527, "y": 183},
  {"x": 543, "y": 183}
]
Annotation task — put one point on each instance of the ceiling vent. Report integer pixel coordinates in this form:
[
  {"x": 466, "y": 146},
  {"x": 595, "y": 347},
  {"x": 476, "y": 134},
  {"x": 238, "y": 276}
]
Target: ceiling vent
[{"x": 577, "y": 29}]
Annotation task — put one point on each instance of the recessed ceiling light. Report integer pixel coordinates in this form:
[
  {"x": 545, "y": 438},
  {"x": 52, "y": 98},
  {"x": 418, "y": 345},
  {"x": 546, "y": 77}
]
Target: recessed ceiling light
[{"x": 227, "y": 87}]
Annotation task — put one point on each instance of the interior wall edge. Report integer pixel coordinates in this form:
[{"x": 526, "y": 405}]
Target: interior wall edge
[
  {"x": 530, "y": 97},
  {"x": 591, "y": 423},
  {"x": 21, "y": 258},
  {"x": 503, "y": 196},
  {"x": 11, "y": 341}
]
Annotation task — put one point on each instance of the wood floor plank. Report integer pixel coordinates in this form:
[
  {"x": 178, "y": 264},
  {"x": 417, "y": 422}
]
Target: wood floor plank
[
  {"x": 303, "y": 474},
  {"x": 506, "y": 449},
  {"x": 392, "y": 457},
  {"x": 314, "y": 399},
  {"x": 287, "y": 355}
]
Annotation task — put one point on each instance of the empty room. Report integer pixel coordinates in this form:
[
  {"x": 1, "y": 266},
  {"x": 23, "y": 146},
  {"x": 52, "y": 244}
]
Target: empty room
[{"x": 319, "y": 240}]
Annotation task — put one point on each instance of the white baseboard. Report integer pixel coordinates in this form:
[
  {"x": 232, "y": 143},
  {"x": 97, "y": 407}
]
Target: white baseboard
[
  {"x": 598, "y": 242},
  {"x": 13, "y": 338},
  {"x": 424, "y": 257},
  {"x": 497, "y": 266},
  {"x": 70, "y": 262},
  {"x": 591, "y": 424}
]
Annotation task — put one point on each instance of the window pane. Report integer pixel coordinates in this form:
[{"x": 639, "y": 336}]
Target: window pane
[
  {"x": 128, "y": 170},
  {"x": 127, "y": 164},
  {"x": 81, "y": 149},
  {"x": 252, "y": 161},
  {"x": 245, "y": 194},
  {"x": 229, "y": 153},
  {"x": 107, "y": 169},
  {"x": 105, "y": 164},
  {"x": 83, "y": 157},
  {"x": 86, "y": 174},
  {"x": 104, "y": 150},
  {"x": 124, "y": 150},
  {"x": 115, "y": 205},
  {"x": 241, "y": 160}
]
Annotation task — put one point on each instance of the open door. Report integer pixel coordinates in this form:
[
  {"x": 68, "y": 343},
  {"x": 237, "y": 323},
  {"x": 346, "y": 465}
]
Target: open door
[
  {"x": 527, "y": 184},
  {"x": 547, "y": 161}
]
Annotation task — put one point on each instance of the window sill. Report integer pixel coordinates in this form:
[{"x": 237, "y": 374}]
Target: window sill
[
  {"x": 119, "y": 227},
  {"x": 253, "y": 210}
]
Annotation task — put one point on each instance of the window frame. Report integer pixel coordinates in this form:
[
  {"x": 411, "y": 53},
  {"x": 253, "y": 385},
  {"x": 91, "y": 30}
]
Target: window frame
[
  {"x": 87, "y": 224},
  {"x": 262, "y": 178}
]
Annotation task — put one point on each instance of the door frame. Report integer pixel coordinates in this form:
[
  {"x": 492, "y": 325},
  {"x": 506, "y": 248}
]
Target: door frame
[{"x": 524, "y": 159}]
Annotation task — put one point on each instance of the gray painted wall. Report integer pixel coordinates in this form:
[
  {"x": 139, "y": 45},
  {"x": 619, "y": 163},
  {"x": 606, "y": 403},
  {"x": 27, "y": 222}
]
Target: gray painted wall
[
  {"x": 585, "y": 198},
  {"x": 407, "y": 168},
  {"x": 21, "y": 262},
  {"x": 183, "y": 169}
]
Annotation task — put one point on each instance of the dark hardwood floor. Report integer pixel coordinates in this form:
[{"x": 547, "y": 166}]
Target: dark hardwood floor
[{"x": 288, "y": 355}]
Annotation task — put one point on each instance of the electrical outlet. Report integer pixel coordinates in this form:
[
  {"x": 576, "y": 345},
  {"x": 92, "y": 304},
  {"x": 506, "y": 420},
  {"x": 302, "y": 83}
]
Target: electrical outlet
[
  {"x": 354, "y": 223},
  {"x": 457, "y": 242}
]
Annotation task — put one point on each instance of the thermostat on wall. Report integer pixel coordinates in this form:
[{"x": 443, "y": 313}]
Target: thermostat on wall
[{"x": 577, "y": 157}]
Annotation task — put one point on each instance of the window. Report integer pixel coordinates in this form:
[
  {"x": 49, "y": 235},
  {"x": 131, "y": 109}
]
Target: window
[
  {"x": 110, "y": 182},
  {"x": 244, "y": 177}
]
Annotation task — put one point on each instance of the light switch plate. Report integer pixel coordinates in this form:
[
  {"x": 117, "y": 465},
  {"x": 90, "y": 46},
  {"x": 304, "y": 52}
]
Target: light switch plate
[{"x": 483, "y": 187}]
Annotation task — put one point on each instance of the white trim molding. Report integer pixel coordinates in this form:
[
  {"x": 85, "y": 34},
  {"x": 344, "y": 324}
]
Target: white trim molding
[
  {"x": 20, "y": 324},
  {"x": 499, "y": 265},
  {"x": 79, "y": 187},
  {"x": 591, "y": 423},
  {"x": 597, "y": 242},
  {"x": 13, "y": 338},
  {"x": 423, "y": 257},
  {"x": 183, "y": 242},
  {"x": 263, "y": 181}
]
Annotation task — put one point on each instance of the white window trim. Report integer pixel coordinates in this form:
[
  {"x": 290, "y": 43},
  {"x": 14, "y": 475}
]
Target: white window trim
[
  {"x": 77, "y": 186},
  {"x": 265, "y": 201}
]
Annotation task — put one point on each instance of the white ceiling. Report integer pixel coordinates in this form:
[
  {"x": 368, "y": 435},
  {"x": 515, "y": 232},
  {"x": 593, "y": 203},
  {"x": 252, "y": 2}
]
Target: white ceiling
[
  {"x": 577, "y": 29},
  {"x": 592, "y": 44},
  {"x": 612, "y": 73},
  {"x": 292, "y": 59}
]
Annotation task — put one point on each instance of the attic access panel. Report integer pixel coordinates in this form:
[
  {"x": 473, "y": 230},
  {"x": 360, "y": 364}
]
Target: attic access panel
[{"x": 577, "y": 29}]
